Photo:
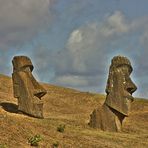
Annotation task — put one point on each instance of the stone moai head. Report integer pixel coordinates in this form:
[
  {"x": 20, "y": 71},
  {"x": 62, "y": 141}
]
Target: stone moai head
[
  {"x": 120, "y": 87},
  {"x": 26, "y": 88}
]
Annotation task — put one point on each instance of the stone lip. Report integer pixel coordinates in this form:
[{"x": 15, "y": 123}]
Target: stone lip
[{"x": 129, "y": 97}]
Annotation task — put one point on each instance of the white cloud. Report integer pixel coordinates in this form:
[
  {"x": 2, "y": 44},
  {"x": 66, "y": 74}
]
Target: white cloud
[
  {"x": 117, "y": 23},
  {"x": 75, "y": 37},
  {"x": 20, "y": 22},
  {"x": 22, "y": 19},
  {"x": 85, "y": 60},
  {"x": 88, "y": 48}
]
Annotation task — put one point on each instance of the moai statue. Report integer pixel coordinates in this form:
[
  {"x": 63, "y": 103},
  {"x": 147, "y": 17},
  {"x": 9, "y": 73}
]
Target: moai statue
[
  {"x": 119, "y": 89},
  {"x": 26, "y": 89}
]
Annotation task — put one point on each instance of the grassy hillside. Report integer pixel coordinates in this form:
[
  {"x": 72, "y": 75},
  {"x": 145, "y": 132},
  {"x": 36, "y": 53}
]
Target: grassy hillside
[{"x": 64, "y": 106}]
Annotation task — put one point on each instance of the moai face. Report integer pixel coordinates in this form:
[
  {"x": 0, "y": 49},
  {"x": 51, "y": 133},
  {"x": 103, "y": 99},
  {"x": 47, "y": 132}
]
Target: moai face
[
  {"x": 26, "y": 88},
  {"x": 120, "y": 86}
]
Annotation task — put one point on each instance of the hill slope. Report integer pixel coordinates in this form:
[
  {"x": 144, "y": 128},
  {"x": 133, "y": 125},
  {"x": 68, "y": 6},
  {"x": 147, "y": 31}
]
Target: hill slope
[{"x": 72, "y": 109}]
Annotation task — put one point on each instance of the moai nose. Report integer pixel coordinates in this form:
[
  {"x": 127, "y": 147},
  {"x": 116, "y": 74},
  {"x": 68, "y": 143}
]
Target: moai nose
[
  {"x": 39, "y": 92},
  {"x": 131, "y": 87}
]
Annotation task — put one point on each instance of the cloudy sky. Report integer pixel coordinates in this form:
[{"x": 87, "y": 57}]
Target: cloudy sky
[{"x": 71, "y": 42}]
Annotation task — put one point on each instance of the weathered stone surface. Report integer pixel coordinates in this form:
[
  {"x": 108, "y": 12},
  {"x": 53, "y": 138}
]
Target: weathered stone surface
[
  {"x": 26, "y": 89},
  {"x": 118, "y": 101}
]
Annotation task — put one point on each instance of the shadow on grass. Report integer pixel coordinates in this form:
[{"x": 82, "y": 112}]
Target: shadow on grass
[
  {"x": 13, "y": 108},
  {"x": 9, "y": 107}
]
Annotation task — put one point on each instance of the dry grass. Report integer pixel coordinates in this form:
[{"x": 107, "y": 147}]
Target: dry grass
[{"x": 71, "y": 108}]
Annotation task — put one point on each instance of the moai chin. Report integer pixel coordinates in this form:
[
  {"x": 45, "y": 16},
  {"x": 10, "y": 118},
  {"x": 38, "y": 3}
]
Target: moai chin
[
  {"x": 26, "y": 89},
  {"x": 119, "y": 89}
]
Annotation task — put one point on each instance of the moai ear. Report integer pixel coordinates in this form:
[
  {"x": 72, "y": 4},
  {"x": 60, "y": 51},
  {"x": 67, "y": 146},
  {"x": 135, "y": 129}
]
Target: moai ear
[
  {"x": 110, "y": 83},
  {"x": 16, "y": 86}
]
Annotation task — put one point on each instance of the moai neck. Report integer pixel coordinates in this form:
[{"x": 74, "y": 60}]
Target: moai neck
[{"x": 112, "y": 119}]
